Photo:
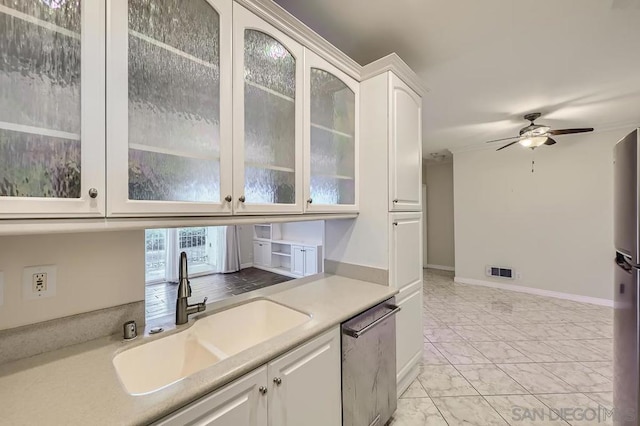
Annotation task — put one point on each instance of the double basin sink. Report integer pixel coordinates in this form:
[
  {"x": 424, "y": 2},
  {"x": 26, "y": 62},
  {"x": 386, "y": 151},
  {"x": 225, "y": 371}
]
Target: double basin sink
[{"x": 162, "y": 362}]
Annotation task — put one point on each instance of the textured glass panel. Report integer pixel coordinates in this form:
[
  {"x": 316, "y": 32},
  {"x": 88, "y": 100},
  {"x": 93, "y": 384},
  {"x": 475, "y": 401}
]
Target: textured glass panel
[
  {"x": 269, "y": 117},
  {"x": 174, "y": 94},
  {"x": 268, "y": 63},
  {"x": 332, "y": 139},
  {"x": 333, "y": 104},
  {"x": 269, "y": 186},
  {"x": 40, "y": 95},
  {"x": 327, "y": 190},
  {"x": 161, "y": 177},
  {"x": 332, "y": 154},
  {"x": 269, "y": 129},
  {"x": 38, "y": 166}
]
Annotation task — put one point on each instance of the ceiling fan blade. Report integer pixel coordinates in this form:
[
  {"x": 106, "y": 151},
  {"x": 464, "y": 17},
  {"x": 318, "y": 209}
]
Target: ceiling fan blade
[
  {"x": 569, "y": 131},
  {"x": 503, "y": 139},
  {"x": 508, "y": 145},
  {"x": 550, "y": 142}
]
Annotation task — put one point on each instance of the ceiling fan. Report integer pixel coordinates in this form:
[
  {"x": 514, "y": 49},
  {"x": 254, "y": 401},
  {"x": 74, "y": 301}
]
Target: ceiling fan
[{"x": 535, "y": 135}]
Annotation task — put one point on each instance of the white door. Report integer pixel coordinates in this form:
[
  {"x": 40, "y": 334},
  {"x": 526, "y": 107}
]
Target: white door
[
  {"x": 52, "y": 129},
  {"x": 405, "y": 147},
  {"x": 242, "y": 403},
  {"x": 409, "y": 335},
  {"x": 331, "y": 118},
  {"x": 405, "y": 249},
  {"x": 268, "y": 85},
  {"x": 169, "y": 108},
  {"x": 310, "y": 261},
  {"x": 305, "y": 384},
  {"x": 297, "y": 260},
  {"x": 258, "y": 259}
]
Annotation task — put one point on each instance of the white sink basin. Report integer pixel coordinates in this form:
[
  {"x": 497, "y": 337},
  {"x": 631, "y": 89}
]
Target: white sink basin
[
  {"x": 239, "y": 328},
  {"x": 158, "y": 364}
]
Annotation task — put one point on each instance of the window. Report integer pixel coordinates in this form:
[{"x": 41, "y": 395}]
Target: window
[{"x": 204, "y": 247}]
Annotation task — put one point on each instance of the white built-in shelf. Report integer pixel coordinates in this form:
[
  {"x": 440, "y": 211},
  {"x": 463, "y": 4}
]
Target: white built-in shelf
[
  {"x": 38, "y": 131},
  {"x": 270, "y": 91},
  {"x": 279, "y": 253},
  {"x": 39, "y": 22},
  {"x": 330, "y": 130},
  {"x": 171, "y": 49},
  {"x": 175, "y": 152},
  {"x": 270, "y": 167}
]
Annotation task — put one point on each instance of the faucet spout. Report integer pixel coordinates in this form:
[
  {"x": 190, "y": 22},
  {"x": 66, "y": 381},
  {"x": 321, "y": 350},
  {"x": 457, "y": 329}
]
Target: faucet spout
[{"x": 183, "y": 309}]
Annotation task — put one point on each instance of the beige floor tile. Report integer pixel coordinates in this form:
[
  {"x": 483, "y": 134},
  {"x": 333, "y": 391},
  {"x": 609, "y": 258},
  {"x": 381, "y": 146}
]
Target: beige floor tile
[
  {"x": 417, "y": 412},
  {"x": 577, "y": 409},
  {"x": 539, "y": 352},
  {"x": 468, "y": 411},
  {"x": 500, "y": 352},
  {"x": 415, "y": 390},
  {"x": 444, "y": 334},
  {"x": 461, "y": 353},
  {"x": 581, "y": 377},
  {"x": 431, "y": 356},
  {"x": 524, "y": 410},
  {"x": 488, "y": 379},
  {"x": 444, "y": 380},
  {"x": 536, "y": 379}
]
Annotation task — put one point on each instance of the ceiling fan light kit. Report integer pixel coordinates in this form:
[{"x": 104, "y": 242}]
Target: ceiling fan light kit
[{"x": 535, "y": 135}]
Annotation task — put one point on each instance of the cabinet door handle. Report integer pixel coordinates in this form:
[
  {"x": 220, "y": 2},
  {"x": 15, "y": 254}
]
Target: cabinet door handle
[
  {"x": 93, "y": 193},
  {"x": 241, "y": 199},
  {"x": 277, "y": 381},
  {"x": 262, "y": 390},
  {"x": 228, "y": 198}
]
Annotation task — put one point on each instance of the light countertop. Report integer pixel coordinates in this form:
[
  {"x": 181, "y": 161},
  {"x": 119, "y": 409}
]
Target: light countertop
[{"x": 78, "y": 385}]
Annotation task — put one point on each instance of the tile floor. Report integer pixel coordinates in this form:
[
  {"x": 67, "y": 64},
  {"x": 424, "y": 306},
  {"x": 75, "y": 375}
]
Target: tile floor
[
  {"x": 160, "y": 299},
  {"x": 495, "y": 357}
]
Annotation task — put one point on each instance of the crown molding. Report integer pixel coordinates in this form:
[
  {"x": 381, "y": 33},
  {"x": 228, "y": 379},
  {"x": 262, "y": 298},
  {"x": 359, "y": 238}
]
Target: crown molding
[
  {"x": 394, "y": 63},
  {"x": 273, "y": 13}
]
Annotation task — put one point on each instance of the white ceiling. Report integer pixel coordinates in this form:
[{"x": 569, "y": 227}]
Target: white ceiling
[{"x": 488, "y": 62}]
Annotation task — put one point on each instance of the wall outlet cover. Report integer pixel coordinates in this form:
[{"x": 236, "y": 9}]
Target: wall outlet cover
[{"x": 38, "y": 282}]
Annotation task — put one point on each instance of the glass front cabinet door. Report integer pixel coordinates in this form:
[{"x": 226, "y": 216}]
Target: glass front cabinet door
[
  {"x": 52, "y": 94},
  {"x": 169, "y": 107},
  {"x": 331, "y": 138},
  {"x": 268, "y": 88}
]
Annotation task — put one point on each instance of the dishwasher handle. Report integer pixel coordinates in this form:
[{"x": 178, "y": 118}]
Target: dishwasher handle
[{"x": 357, "y": 333}]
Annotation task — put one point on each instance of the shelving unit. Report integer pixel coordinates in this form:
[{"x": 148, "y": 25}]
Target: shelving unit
[{"x": 291, "y": 258}]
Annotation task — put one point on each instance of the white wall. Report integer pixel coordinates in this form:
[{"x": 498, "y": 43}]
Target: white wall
[
  {"x": 554, "y": 226},
  {"x": 94, "y": 271},
  {"x": 440, "y": 239}
]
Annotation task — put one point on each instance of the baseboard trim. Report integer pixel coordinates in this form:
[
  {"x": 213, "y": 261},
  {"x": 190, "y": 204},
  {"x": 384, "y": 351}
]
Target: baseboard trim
[
  {"x": 536, "y": 291},
  {"x": 246, "y": 265},
  {"x": 440, "y": 267},
  {"x": 408, "y": 373}
]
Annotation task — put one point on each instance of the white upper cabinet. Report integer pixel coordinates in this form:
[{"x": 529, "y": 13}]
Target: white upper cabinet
[
  {"x": 52, "y": 109},
  {"x": 267, "y": 106},
  {"x": 405, "y": 147},
  {"x": 331, "y": 137},
  {"x": 169, "y": 145}
]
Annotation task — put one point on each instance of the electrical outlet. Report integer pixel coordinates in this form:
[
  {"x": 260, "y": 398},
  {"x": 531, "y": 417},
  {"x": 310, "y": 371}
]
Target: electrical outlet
[
  {"x": 38, "y": 282},
  {"x": 518, "y": 276}
]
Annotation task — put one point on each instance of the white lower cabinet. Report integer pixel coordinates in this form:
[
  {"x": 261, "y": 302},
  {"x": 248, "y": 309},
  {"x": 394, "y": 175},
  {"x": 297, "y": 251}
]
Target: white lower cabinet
[
  {"x": 409, "y": 337},
  {"x": 240, "y": 403},
  {"x": 304, "y": 260},
  {"x": 302, "y": 387},
  {"x": 262, "y": 253},
  {"x": 305, "y": 384}
]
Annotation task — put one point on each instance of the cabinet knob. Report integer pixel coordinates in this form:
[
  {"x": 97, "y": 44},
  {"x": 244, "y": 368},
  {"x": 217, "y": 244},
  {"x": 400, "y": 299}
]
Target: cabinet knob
[
  {"x": 277, "y": 381},
  {"x": 395, "y": 201},
  {"x": 310, "y": 200},
  {"x": 228, "y": 198},
  {"x": 93, "y": 193},
  {"x": 241, "y": 198},
  {"x": 395, "y": 223},
  {"x": 262, "y": 390}
]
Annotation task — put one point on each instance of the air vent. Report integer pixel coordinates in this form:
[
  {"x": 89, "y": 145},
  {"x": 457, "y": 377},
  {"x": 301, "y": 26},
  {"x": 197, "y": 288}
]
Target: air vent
[{"x": 500, "y": 272}]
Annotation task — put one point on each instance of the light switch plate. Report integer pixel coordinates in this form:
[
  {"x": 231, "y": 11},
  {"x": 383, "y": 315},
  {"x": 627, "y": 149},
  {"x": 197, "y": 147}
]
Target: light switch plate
[{"x": 38, "y": 282}]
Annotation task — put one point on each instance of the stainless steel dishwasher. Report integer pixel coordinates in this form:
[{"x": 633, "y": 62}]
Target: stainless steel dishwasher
[{"x": 369, "y": 393}]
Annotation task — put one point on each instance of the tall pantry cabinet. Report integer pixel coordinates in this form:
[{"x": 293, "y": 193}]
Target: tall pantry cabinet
[{"x": 391, "y": 113}]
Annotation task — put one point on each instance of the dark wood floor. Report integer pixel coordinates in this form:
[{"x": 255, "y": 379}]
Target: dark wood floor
[{"x": 160, "y": 298}]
